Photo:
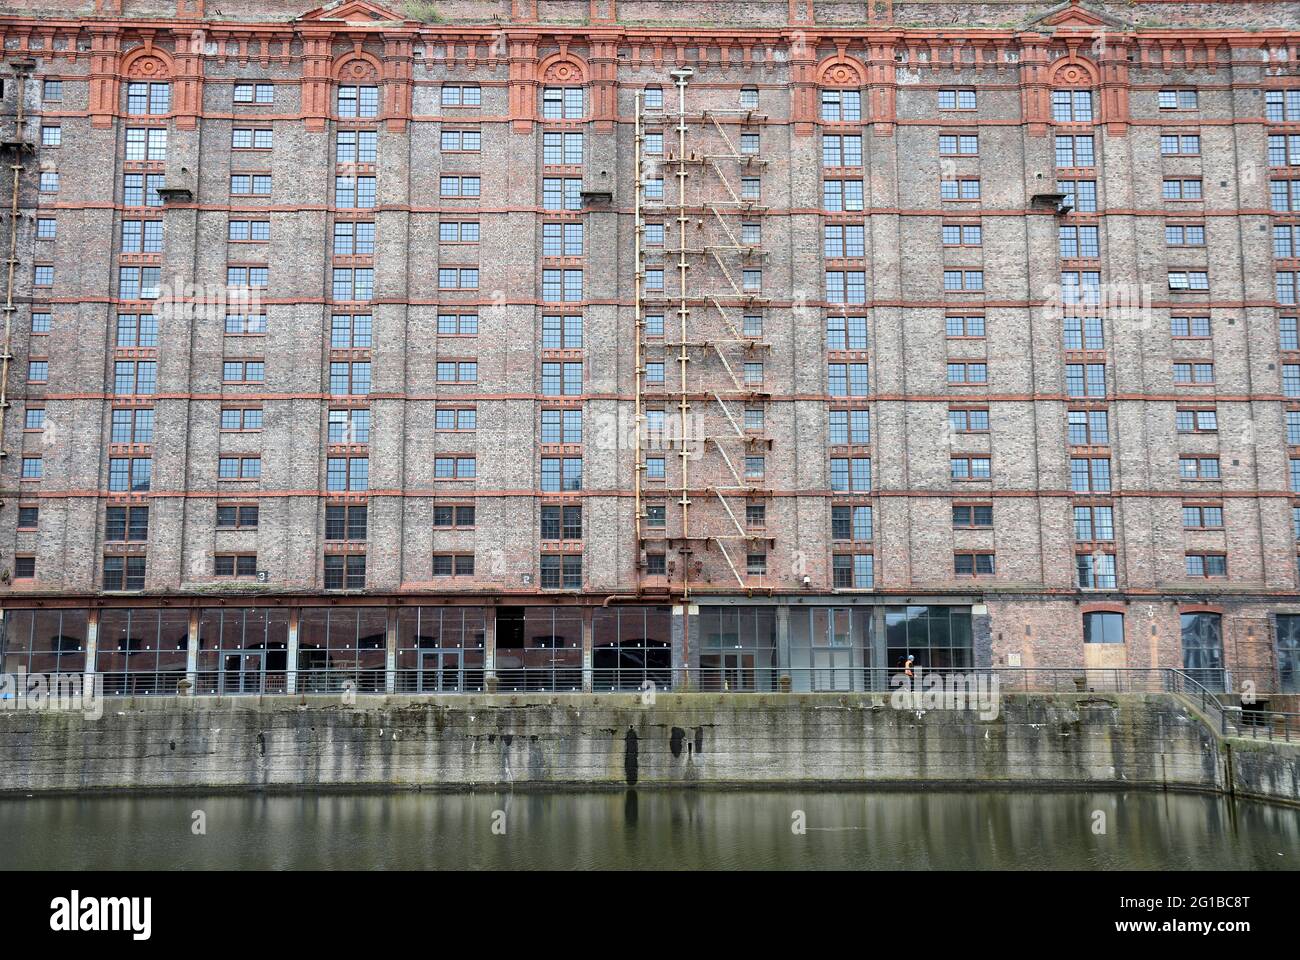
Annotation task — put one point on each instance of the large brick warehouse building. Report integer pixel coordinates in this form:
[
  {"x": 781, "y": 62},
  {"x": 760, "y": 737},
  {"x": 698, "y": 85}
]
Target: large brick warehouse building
[{"x": 557, "y": 344}]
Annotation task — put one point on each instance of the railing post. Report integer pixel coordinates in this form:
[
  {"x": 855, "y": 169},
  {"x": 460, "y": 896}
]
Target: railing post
[
  {"x": 192, "y": 653},
  {"x": 291, "y": 654},
  {"x": 390, "y": 652},
  {"x": 92, "y": 642},
  {"x": 587, "y": 676}
]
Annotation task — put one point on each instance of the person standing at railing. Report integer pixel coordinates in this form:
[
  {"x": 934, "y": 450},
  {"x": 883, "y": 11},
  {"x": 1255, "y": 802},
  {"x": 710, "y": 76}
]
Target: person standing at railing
[{"x": 905, "y": 664}]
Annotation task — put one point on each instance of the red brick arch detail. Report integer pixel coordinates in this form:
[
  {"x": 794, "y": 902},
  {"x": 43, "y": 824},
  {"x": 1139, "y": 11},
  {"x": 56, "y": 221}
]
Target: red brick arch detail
[
  {"x": 357, "y": 67},
  {"x": 147, "y": 63},
  {"x": 841, "y": 72},
  {"x": 1075, "y": 71},
  {"x": 1102, "y": 607},
  {"x": 563, "y": 68},
  {"x": 1199, "y": 608}
]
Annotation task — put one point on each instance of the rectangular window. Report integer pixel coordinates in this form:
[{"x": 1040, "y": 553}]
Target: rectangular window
[
  {"x": 345, "y": 522},
  {"x": 124, "y": 573},
  {"x": 1188, "y": 280},
  {"x": 355, "y": 284},
  {"x": 455, "y": 468},
  {"x": 973, "y": 564},
  {"x": 349, "y": 379},
  {"x": 976, "y": 516},
  {"x": 126, "y": 474},
  {"x": 461, "y": 141},
  {"x": 957, "y": 99},
  {"x": 1090, "y": 475},
  {"x": 1185, "y": 235},
  {"x": 1078, "y": 241},
  {"x": 1177, "y": 99},
  {"x": 239, "y": 468},
  {"x": 357, "y": 101},
  {"x": 148, "y": 99},
  {"x": 836, "y": 240},
  {"x": 1087, "y": 427},
  {"x": 458, "y": 324},
  {"x": 957, "y": 326},
  {"x": 967, "y": 373},
  {"x": 1085, "y": 380},
  {"x": 1094, "y": 524},
  {"x": 344, "y": 572},
  {"x": 1181, "y": 190},
  {"x": 968, "y": 420},
  {"x": 563, "y": 103},
  {"x": 851, "y": 523},
  {"x": 566, "y": 148},
  {"x": 1282, "y": 106},
  {"x": 958, "y": 145},
  {"x": 1180, "y": 145},
  {"x": 1207, "y": 565},
  {"x": 1193, "y": 373},
  {"x": 1071, "y": 106},
  {"x": 234, "y": 565},
  {"x": 1202, "y": 517},
  {"x": 146, "y": 144},
  {"x": 1199, "y": 468},
  {"x": 1080, "y": 195},
  {"x": 347, "y": 473},
  {"x": 452, "y": 231},
  {"x": 841, "y": 150},
  {"x": 839, "y": 105},
  {"x": 561, "y": 571},
  {"x": 458, "y": 186},
  {"x": 135, "y": 377},
  {"x": 1096, "y": 570},
  {"x": 461, "y": 96},
  {"x": 970, "y": 468}
]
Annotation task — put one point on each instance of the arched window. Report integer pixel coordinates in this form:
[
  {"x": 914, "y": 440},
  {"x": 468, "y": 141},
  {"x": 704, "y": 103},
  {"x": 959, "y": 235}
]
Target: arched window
[
  {"x": 1103, "y": 626},
  {"x": 1202, "y": 635},
  {"x": 1288, "y": 653}
]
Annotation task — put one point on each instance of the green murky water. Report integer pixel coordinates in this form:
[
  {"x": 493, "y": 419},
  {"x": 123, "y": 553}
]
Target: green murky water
[{"x": 653, "y": 829}]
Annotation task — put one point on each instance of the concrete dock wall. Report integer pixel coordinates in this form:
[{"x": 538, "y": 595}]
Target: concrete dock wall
[{"x": 290, "y": 742}]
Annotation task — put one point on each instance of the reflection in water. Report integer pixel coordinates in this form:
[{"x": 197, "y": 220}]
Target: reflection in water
[{"x": 653, "y": 829}]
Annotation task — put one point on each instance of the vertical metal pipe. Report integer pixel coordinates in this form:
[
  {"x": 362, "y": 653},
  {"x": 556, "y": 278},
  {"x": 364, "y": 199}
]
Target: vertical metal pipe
[
  {"x": 680, "y": 77},
  {"x": 16, "y": 166},
  {"x": 638, "y": 268}
]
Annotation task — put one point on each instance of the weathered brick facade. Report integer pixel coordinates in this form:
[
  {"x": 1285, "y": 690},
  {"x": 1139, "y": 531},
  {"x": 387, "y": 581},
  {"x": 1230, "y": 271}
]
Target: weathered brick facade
[{"x": 1004, "y": 81}]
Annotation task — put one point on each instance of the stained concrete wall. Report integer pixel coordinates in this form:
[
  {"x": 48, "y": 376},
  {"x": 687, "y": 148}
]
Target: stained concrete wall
[{"x": 430, "y": 742}]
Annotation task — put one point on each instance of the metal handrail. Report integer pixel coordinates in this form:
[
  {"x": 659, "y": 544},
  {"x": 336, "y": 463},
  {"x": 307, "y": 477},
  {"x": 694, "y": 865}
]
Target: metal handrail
[{"x": 640, "y": 676}]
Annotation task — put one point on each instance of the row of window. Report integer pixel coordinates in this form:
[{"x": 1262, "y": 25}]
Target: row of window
[
  {"x": 130, "y": 524},
  {"x": 139, "y": 377}
]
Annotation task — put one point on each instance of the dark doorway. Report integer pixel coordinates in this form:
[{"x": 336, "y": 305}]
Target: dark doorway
[{"x": 510, "y": 648}]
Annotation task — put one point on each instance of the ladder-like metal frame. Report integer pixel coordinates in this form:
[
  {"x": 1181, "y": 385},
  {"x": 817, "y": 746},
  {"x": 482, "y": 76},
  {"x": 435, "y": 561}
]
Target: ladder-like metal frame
[
  {"x": 691, "y": 306},
  {"x": 17, "y": 148}
]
